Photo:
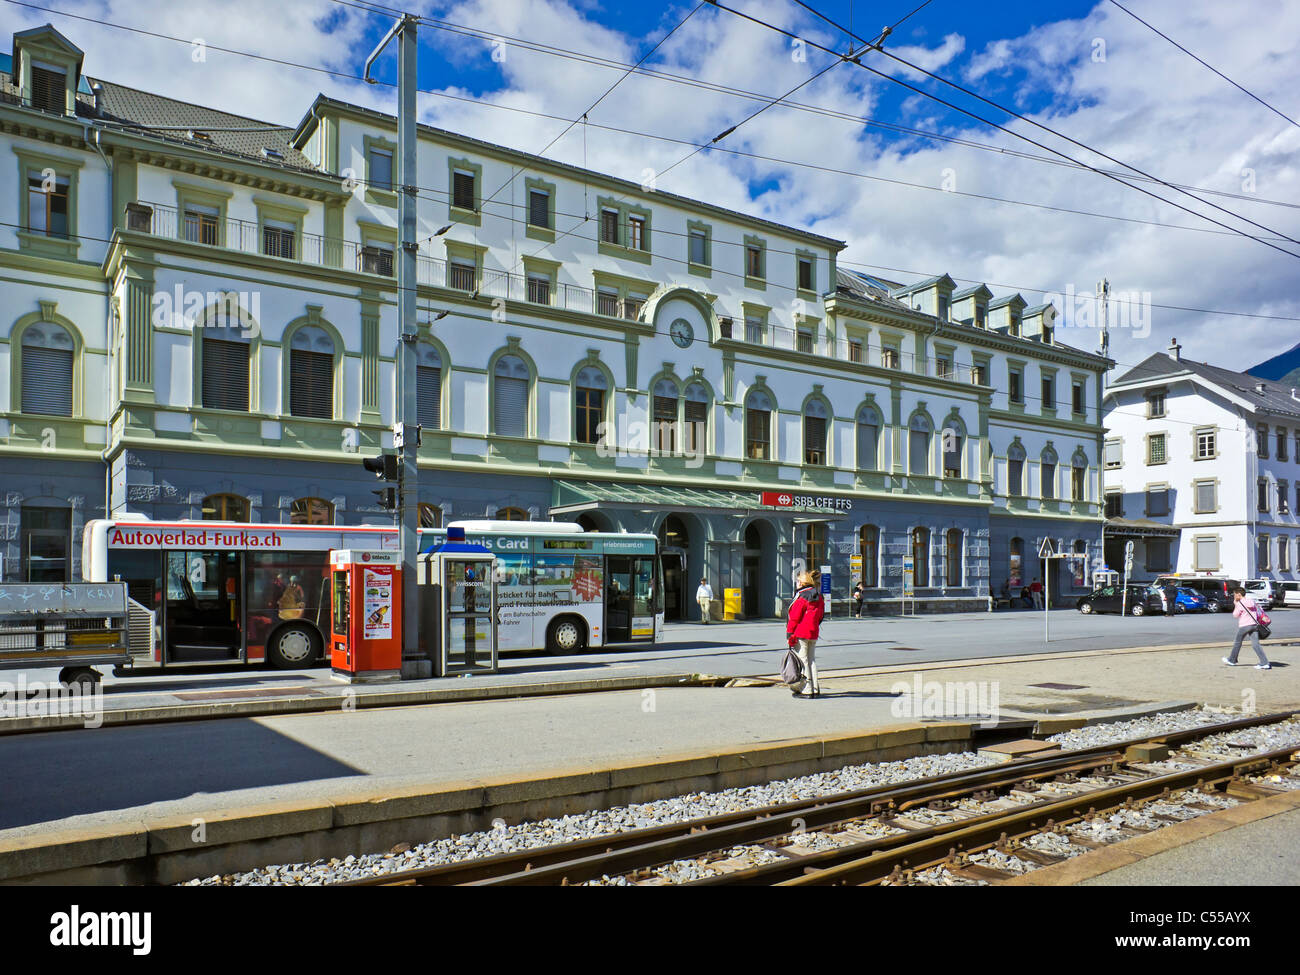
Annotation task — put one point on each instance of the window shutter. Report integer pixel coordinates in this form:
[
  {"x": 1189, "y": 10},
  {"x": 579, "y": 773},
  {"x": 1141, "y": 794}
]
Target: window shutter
[
  {"x": 428, "y": 385},
  {"x": 311, "y": 384},
  {"x": 225, "y": 375},
  {"x": 1113, "y": 453},
  {"x": 49, "y": 90},
  {"x": 511, "y": 407},
  {"x": 463, "y": 191},
  {"x": 1205, "y": 496},
  {"x": 47, "y": 381},
  {"x": 539, "y": 209},
  {"x": 868, "y": 434}
]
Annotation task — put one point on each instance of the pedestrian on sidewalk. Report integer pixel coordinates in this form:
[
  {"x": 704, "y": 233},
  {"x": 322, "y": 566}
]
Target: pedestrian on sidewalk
[
  {"x": 1249, "y": 620},
  {"x": 704, "y": 596},
  {"x": 803, "y": 627},
  {"x": 1036, "y": 590},
  {"x": 859, "y": 592},
  {"x": 1170, "y": 592}
]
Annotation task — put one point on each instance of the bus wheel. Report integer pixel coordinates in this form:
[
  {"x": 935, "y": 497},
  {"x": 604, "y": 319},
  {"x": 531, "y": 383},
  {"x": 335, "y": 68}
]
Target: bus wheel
[
  {"x": 83, "y": 679},
  {"x": 566, "y": 635},
  {"x": 293, "y": 646}
]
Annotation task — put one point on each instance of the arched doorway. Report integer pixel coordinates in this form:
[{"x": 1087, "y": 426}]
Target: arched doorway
[
  {"x": 674, "y": 547},
  {"x": 758, "y": 571},
  {"x": 589, "y": 523}
]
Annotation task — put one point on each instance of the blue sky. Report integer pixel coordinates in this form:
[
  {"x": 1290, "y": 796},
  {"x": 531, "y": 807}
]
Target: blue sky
[{"x": 909, "y": 206}]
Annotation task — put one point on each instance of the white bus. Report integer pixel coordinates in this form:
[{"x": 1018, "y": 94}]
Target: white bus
[{"x": 229, "y": 593}]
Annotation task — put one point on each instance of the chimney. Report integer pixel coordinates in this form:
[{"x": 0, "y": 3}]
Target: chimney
[
  {"x": 1175, "y": 350},
  {"x": 1260, "y": 388}
]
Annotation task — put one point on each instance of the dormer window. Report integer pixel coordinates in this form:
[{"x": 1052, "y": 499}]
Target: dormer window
[
  {"x": 943, "y": 308},
  {"x": 49, "y": 90},
  {"x": 1014, "y": 329},
  {"x": 270, "y": 153},
  {"x": 981, "y": 319}
]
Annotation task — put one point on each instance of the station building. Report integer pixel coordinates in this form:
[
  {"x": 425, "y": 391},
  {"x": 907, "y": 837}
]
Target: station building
[{"x": 200, "y": 321}]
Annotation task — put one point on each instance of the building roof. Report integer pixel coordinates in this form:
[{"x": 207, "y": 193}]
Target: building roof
[
  {"x": 974, "y": 289},
  {"x": 868, "y": 288},
  {"x": 1273, "y": 399},
  {"x": 907, "y": 289}
]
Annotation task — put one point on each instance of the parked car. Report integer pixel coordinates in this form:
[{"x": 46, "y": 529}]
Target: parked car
[
  {"x": 1217, "y": 590},
  {"x": 1189, "y": 601},
  {"x": 1262, "y": 591},
  {"x": 1288, "y": 593},
  {"x": 1110, "y": 599}
]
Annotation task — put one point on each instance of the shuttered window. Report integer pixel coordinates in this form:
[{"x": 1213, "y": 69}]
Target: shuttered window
[
  {"x": 47, "y": 363},
  {"x": 428, "y": 388},
  {"x": 918, "y": 446},
  {"x": 49, "y": 90},
  {"x": 696, "y": 416},
  {"x": 868, "y": 440},
  {"x": 225, "y": 375},
  {"x": 609, "y": 226},
  {"x": 665, "y": 416},
  {"x": 462, "y": 190},
  {"x": 311, "y": 373},
  {"x": 510, "y": 403},
  {"x": 1207, "y": 554},
  {"x": 381, "y": 169},
  {"x": 758, "y": 426},
  {"x": 814, "y": 434},
  {"x": 1048, "y": 480},
  {"x": 539, "y": 208},
  {"x": 1016, "y": 473}
]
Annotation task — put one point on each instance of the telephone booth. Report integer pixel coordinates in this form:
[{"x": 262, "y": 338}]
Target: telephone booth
[
  {"x": 458, "y": 607},
  {"x": 365, "y": 615}
]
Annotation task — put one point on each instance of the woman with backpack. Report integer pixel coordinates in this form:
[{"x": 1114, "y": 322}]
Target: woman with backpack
[
  {"x": 1250, "y": 620},
  {"x": 802, "y": 628}
]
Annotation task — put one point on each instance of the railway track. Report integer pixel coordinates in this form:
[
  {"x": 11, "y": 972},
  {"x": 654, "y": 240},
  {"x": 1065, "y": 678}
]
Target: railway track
[{"x": 890, "y": 833}]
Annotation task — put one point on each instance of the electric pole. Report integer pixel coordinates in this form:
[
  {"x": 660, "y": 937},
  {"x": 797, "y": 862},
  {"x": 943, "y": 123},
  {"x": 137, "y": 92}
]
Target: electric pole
[{"x": 405, "y": 431}]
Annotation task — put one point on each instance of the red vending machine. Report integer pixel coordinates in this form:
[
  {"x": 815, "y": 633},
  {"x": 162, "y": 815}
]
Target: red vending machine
[{"x": 365, "y": 615}]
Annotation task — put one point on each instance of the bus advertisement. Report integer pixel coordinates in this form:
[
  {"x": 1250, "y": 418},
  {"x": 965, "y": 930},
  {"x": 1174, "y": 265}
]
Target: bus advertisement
[{"x": 229, "y": 593}]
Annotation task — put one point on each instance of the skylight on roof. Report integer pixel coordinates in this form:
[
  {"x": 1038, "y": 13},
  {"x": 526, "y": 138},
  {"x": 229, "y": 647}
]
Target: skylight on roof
[{"x": 270, "y": 153}]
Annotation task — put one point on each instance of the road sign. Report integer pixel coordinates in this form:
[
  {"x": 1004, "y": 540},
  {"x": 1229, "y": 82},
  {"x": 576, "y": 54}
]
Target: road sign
[
  {"x": 1128, "y": 549},
  {"x": 1046, "y": 549}
]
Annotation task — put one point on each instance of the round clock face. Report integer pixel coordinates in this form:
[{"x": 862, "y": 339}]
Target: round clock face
[{"x": 682, "y": 332}]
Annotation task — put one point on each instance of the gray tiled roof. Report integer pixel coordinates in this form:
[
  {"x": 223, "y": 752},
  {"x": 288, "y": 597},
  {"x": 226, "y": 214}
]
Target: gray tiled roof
[
  {"x": 1274, "y": 399},
  {"x": 866, "y": 287}
]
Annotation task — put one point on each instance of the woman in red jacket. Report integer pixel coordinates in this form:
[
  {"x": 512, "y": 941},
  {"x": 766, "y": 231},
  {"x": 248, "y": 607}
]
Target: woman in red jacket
[{"x": 802, "y": 628}]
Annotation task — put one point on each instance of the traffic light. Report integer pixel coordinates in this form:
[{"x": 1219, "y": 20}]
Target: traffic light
[
  {"x": 387, "y": 498},
  {"x": 383, "y": 467}
]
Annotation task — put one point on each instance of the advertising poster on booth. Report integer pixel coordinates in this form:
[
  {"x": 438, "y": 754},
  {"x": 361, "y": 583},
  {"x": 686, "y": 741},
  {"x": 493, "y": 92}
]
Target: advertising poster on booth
[{"x": 378, "y": 604}]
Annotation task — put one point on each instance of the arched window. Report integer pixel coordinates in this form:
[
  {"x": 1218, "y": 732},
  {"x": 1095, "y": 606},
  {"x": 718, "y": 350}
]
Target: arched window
[
  {"x": 868, "y": 439},
  {"x": 311, "y": 511},
  {"x": 919, "y": 437},
  {"x": 47, "y": 361},
  {"x": 511, "y": 514},
  {"x": 665, "y": 416},
  {"x": 953, "y": 558},
  {"x": 428, "y": 386},
  {"x": 510, "y": 402},
  {"x": 869, "y": 549},
  {"x": 311, "y": 374},
  {"x": 1015, "y": 471},
  {"x": 430, "y": 516},
  {"x": 1015, "y": 564},
  {"x": 226, "y": 363},
  {"x": 1079, "y": 478},
  {"x": 225, "y": 507},
  {"x": 921, "y": 557},
  {"x": 696, "y": 415},
  {"x": 758, "y": 425},
  {"x": 1047, "y": 471},
  {"x": 954, "y": 438},
  {"x": 814, "y": 433},
  {"x": 815, "y": 549},
  {"x": 673, "y": 534},
  {"x": 589, "y": 404}
]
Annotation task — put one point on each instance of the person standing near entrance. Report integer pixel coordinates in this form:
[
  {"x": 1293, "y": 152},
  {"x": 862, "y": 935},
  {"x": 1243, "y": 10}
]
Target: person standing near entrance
[
  {"x": 704, "y": 596},
  {"x": 859, "y": 592},
  {"x": 1036, "y": 590},
  {"x": 1249, "y": 620},
  {"x": 803, "y": 627}
]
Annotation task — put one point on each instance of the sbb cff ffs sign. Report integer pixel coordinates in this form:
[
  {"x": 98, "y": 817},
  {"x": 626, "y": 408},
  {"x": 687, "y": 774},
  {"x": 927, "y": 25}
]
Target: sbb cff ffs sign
[{"x": 784, "y": 499}]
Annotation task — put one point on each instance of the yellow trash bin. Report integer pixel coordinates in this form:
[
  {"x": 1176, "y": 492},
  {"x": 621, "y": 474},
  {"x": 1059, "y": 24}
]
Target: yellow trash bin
[{"x": 730, "y": 604}]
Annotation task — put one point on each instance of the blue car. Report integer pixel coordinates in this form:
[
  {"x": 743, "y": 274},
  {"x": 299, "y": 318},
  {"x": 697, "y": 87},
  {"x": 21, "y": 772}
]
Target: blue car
[{"x": 1190, "y": 601}]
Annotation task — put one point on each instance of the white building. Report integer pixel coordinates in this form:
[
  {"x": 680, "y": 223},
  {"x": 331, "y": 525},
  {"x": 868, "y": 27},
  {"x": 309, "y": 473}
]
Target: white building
[{"x": 1202, "y": 470}]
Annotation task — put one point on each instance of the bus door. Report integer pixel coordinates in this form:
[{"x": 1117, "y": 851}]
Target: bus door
[
  {"x": 204, "y": 608},
  {"x": 629, "y": 599}
]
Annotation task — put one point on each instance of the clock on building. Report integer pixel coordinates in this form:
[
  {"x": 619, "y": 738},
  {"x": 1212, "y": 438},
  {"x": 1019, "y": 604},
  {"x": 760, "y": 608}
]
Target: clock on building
[{"x": 682, "y": 332}]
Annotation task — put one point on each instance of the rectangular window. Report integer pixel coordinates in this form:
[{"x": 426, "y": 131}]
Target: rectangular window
[
  {"x": 1156, "y": 448},
  {"x": 1206, "y": 497},
  {"x": 1015, "y": 478},
  {"x": 49, "y": 90},
  {"x": 200, "y": 224},
  {"x": 696, "y": 415},
  {"x": 539, "y": 289},
  {"x": 632, "y": 306},
  {"x": 1296, "y": 452},
  {"x": 1206, "y": 444},
  {"x": 225, "y": 375},
  {"x": 1077, "y": 399},
  {"x": 381, "y": 169},
  {"x": 981, "y": 317},
  {"x": 377, "y": 259},
  {"x": 665, "y": 424},
  {"x": 753, "y": 261},
  {"x": 1015, "y": 387},
  {"x": 855, "y": 350},
  {"x": 754, "y": 330},
  {"x": 1156, "y": 405},
  {"x": 1207, "y": 554},
  {"x": 1283, "y": 498},
  {"x": 952, "y": 444},
  {"x": 699, "y": 248},
  {"x": 757, "y": 423},
  {"x": 805, "y": 340},
  {"x": 943, "y": 367},
  {"x": 311, "y": 384},
  {"x": 278, "y": 239},
  {"x": 1078, "y": 483},
  {"x": 1262, "y": 551},
  {"x": 814, "y": 440},
  {"x": 46, "y": 381},
  {"x": 1157, "y": 502},
  {"x": 591, "y": 408},
  {"x": 952, "y": 559},
  {"x": 1114, "y": 453},
  {"x": 609, "y": 226},
  {"x": 1281, "y": 444},
  {"x": 1284, "y": 554},
  {"x": 607, "y": 302},
  {"x": 979, "y": 375},
  {"x": 510, "y": 407},
  {"x": 47, "y": 209},
  {"x": 539, "y": 209},
  {"x": 1261, "y": 441},
  {"x": 1157, "y": 551},
  {"x": 428, "y": 391},
  {"x": 805, "y": 274},
  {"x": 636, "y": 233},
  {"x": 462, "y": 190},
  {"x": 460, "y": 276},
  {"x": 46, "y": 543},
  {"x": 890, "y": 358},
  {"x": 1261, "y": 495},
  {"x": 1049, "y": 393},
  {"x": 1048, "y": 481},
  {"x": 1114, "y": 504},
  {"x": 943, "y": 308}
]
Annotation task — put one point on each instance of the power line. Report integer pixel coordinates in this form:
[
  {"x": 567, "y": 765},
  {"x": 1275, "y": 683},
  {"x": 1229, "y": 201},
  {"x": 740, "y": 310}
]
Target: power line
[
  {"x": 1012, "y": 132},
  {"x": 1205, "y": 63}
]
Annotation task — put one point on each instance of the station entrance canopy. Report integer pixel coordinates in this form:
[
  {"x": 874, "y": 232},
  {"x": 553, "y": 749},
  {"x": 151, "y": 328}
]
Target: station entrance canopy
[{"x": 576, "y": 497}]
